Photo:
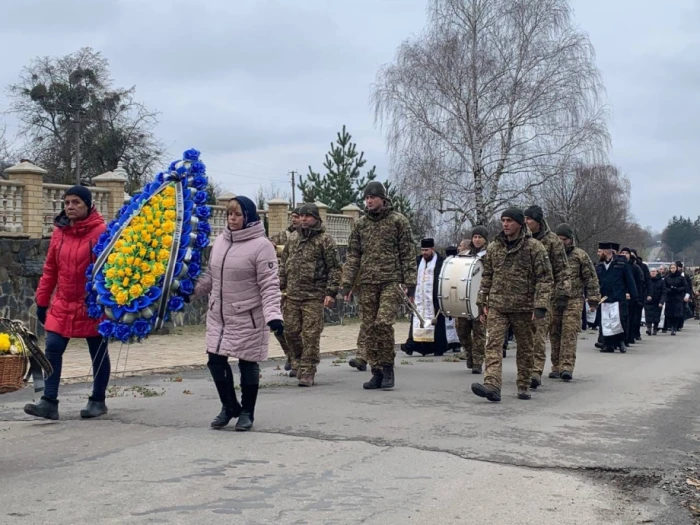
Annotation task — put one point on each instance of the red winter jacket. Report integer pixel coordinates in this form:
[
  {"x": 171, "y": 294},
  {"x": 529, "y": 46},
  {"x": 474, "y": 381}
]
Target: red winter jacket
[{"x": 70, "y": 253}]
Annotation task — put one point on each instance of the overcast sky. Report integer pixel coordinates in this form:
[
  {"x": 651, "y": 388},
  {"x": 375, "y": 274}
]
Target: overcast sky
[{"x": 262, "y": 86}]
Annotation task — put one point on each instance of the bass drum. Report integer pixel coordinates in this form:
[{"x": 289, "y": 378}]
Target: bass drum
[{"x": 460, "y": 280}]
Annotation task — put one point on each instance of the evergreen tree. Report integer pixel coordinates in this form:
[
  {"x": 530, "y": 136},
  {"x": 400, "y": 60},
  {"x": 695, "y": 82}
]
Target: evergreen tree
[{"x": 680, "y": 233}]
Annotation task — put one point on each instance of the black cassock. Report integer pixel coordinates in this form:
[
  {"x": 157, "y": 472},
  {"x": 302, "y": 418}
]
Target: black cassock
[
  {"x": 439, "y": 345},
  {"x": 615, "y": 283}
]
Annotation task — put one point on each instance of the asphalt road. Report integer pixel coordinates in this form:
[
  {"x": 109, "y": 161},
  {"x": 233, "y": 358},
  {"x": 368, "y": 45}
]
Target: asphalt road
[{"x": 601, "y": 449}]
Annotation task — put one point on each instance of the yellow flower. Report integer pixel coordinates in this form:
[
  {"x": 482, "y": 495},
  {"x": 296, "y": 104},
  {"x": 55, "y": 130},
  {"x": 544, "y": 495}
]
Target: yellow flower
[
  {"x": 152, "y": 256},
  {"x": 163, "y": 255},
  {"x": 168, "y": 226},
  {"x": 136, "y": 291},
  {"x": 156, "y": 223},
  {"x": 142, "y": 252},
  {"x": 154, "y": 244},
  {"x": 114, "y": 289},
  {"x": 121, "y": 272},
  {"x": 119, "y": 244},
  {"x": 111, "y": 273},
  {"x": 170, "y": 215},
  {"x": 125, "y": 282},
  {"x": 158, "y": 269},
  {"x": 5, "y": 343},
  {"x": 128, "y": 271},
  {"x": 122, "y": 298},
  {"x": 168, "y": 202},
  {"x": 167, "y": 241},
  {"x": 112, "y": 258},
  {"x": 137, "y": 262},
  {"x": 145, "y": 267},
  {"x": 147, "y": 210},
  {"x": 130, "y": 261},
  {"x": 169, "y": 191},
  {"x": 148, "y": 280},
  {"x": 126, "y": 250}
]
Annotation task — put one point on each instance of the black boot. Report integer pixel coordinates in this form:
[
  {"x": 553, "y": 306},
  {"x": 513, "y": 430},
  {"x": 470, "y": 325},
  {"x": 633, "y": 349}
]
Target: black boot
[
  {"x": 223, "y": 380},
  {"x": 623, "y": 348},
  {"x": 489, "y": 392},
  {"x": 387, "y": 377},
  {"x": 360, "y": 364},
  {"x": 405, "y": 349},
  {"x": 566, "y": 375},
  {"x": 288, "y": 365},
  {"x": 249, "y": 396},
  {"x": 46, "y": 408},
  {"x": 376, "y": 381},
  {"x": 93, "y": 409},
  {"x": 225, "y": 416}
]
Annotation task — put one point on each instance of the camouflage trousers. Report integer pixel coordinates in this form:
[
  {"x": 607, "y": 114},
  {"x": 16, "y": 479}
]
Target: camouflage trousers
[
  {"x": 472, "y": 337},
  {"x": 379, "y": 304},
  {"x": 541, "y": 328},
  {"x": 497, "y": 327},
  {"x": 303, "y": 324},
  {"x": 563, "y": 335},
  {"x": 281, "y": 338}
]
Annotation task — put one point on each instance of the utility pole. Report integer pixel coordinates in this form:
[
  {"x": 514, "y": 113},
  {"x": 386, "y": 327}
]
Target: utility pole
[
  {"x": 77, "y": 147},
  {"x": 293, "y": 174}
]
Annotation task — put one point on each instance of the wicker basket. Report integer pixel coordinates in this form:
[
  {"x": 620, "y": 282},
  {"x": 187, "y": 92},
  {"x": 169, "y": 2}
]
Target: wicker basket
[{"x": 12, "y": 370}]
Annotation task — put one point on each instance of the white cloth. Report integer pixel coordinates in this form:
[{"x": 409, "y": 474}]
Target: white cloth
[
  {"x": 424, "y": 302},
  {"x": 610, "y": 319},
  {"x": 590, "y": 316},
  {"x": 451, "y": 331}
]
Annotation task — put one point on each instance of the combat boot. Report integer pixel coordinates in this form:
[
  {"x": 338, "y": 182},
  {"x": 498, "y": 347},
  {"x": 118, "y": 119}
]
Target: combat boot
[
  {"x": 566, "y": 375},
  {"x": 358, "y": 363},
  {"x": 387, "y": 377},
  {"x": 476, "y": 369},
  {"x": 376, "y": 381},
  {"x": 554, "y": 375},
  {"x": 489, "y": 392},
  {"x": 93, "y": 409},
  {"x": 535, "y": 382},
  {"x": 306, "y": 380},
  {"x": 470, "y": 362},
  {"x": 292, "y": 373},
  {"x": 524, "y": 394},
  {"x": 46, "y": 408},
  {"x": 288, "y": 365}
]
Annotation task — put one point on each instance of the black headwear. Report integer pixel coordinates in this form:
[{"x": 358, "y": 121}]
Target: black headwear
[
  {"x": 296, "y": 210},
  {"x": 565, "y": 231},
  {"x": 605, "y": 246},
  {"x": 427, "y": 243},
  {"x": 250, "y": 212},
  {"x": 615, "y": 246},
  {"x": 535, "y": 213},
  {"x": 516, "y": 214},
  {"x": 480, "y": 230},
  {"x": 679, "y": 264},
  {"x": 375, "y": 189},
  {"x": 626, "y": 249},
  {"x": 451, "y": 251},
  {"x": 81, "y": 192},
  {"x": 310, "y": 209}
]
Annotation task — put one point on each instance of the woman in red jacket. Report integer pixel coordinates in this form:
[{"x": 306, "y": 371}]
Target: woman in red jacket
[{"x": 60, "y": 301}]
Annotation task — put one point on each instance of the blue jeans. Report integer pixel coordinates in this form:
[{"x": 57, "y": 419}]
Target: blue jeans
[{"x": 55, "y": 346}]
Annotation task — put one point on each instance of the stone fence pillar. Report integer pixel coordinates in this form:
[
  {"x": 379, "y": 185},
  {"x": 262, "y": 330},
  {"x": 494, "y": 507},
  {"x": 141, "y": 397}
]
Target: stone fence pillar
[
  {"x": 222, "y": 200},
  {"x": 352, "y": 211},
  {"x": 32, "y": 196},
  {"x": 114, "y": 181},
  {"x": 277, "y": 215},
  {"x": 323, "y": 211}
]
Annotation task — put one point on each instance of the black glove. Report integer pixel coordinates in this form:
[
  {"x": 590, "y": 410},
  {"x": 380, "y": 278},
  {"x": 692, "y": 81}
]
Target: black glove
[
  {"x": 540, "y": 313},
  {"x": 41, "y": 314},
  {"x": 277, "y": 326},
  {"x": 411, "y": 292}
]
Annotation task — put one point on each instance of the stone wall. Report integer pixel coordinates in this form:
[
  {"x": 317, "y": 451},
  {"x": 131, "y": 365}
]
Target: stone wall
[{"x": 21, "y": 265}]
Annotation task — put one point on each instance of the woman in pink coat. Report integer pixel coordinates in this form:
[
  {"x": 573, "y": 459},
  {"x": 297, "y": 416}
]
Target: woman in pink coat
[{"x": 244, "y": 305}]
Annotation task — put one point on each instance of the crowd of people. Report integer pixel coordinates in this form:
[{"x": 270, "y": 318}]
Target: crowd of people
[{"x": 536, "y": 284}]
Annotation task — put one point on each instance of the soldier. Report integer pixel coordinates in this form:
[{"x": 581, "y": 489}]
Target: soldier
[
  {"x": 566, "y": 313},
  {"x": 359, "y": 362},
  {"x": 696, "y": 292},
  {"x": 381, "y": 255},
  {"x": 471, "y": 333},
  {"x": 515, "y": 289},
  {"x": 310, "y": 274},
  {"x": 279, "y": 240},
  {"x": 534, "y": 216}
]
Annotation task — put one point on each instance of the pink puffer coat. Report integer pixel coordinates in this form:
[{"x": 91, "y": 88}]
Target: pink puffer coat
[{"x": 244, "y": 293}]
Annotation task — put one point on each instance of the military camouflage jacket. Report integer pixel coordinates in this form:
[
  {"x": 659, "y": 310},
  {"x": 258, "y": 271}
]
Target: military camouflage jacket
[
  {"x": 558, "y": 260},
  {"x": 310, "y": 266},
  {"x": 516, "y": 278},
  {"x": 281, "y": 238},
  {"x": 696, "y": 283},
  {"x": 583, "y": 275},
  {"x": 382, "y": 244}
]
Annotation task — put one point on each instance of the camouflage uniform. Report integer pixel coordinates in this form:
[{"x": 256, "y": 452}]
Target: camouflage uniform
[
  {"x": 566, "y": 315},
  {"x": 472, "y": 333},
  {"x": 516, "y": 281},
  {"x": 280, "y": 239},
  {"x": 382, "y": 245},
  {"x": 309, "y": 272},
  {"x": 696, "y": 294},
  {"x": 562, "y": 290},
  {"x": 361, "y": 352}
]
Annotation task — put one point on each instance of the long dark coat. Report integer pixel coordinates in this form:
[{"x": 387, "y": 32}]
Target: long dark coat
[
  {"x": 439, "y": 345},
  {"x": 657, "y": 292},
  {"x": 675, "y": 292}
]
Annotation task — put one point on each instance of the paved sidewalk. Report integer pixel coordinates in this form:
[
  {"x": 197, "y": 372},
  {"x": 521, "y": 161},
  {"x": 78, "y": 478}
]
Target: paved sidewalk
[{"x": 184, "y": 347}]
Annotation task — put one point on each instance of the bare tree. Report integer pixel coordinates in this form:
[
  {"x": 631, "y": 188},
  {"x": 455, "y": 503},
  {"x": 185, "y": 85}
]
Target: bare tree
[
  {"x": 5, "y": 154},
  {"x": 491, "y": 101}
]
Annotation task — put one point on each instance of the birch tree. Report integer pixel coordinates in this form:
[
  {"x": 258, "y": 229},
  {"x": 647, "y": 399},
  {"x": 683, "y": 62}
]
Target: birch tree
[{"x": 490, "y": 102}]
